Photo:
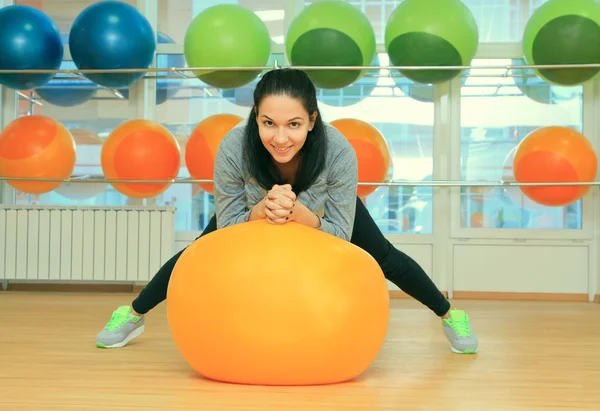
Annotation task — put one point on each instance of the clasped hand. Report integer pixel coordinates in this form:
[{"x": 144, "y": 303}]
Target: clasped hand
[{"x": 279, "y": 204}]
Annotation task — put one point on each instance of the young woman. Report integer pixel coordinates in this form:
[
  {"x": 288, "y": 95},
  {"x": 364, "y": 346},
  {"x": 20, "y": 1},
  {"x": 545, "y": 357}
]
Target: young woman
[{"x": 285, "y": 164}]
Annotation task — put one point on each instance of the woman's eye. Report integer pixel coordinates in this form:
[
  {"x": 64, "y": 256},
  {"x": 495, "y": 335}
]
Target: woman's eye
[
  {"x": 294, "y": 125},
  {"x": 268, "y": 123}
]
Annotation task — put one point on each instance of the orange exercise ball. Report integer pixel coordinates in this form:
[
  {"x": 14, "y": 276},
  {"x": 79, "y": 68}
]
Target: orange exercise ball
[
  {"x": 36, "y": 147},
  {"x": 555, "y": 154},
  {"x": 201, "y": 147},
  {"x": 140, "y": 150},
  {"x": 371, "y": 149},
  {"x": 308, "y": 309}
]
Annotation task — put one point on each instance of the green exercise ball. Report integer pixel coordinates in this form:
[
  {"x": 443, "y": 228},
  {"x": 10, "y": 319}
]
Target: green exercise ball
[
  {"x": 431, "y": 33},
  {"x": 331, "y": 33},
  {"x": 227, "y": 35},
  {"x": 564, "y": 32},
  {"x": 539, "y": 90}
]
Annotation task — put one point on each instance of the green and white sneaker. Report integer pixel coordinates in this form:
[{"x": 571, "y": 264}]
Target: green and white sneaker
[
  {"x": 122, "y": 328},
  {"x": 458, "y": 331}
]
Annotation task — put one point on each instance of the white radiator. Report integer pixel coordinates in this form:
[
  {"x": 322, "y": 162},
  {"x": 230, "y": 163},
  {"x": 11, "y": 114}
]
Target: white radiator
[{"x": 92, "y": 244}]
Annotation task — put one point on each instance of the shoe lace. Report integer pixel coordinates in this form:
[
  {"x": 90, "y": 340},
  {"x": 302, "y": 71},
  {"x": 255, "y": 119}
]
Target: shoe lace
[
  {"x": 461, "y": 327},
  {"x": 117, "y": 320}
]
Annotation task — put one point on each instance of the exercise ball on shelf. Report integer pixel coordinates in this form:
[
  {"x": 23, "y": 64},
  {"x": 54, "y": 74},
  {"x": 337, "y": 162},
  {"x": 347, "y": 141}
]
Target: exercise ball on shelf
[
  {"x": 331, "y": 33},
  {"x": 564, "y": 32},
  {"x": 555, "y": 154},
  {"x": 431, "y": 33},
  {"x": 140, "y": 150},
  {"x": 372, "y": 152},
  {"x": 322, "y": 320},
  {"x": 227, "y": 35},
  {"x": 36, "y": 147},
  {"x": 538, "y": 90},
  {"x": 67, "y": 90},
  {"x": 112, "y": 35},
  {"x": 514, "y": 193},
  {"x": 29, "y": 40},
  {"x": 201, "y": 148},
  {"x": 166, "y": 88},
  {"x": 89, "y": 147}
]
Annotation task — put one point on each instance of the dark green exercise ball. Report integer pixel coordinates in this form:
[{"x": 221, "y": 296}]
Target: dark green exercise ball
[
  {"x": 564, "y": 32},
  {"x": 431, "y": 33},
  {"x": 539, "y": 90},
  {"x": 227, "y": 35},
  {"x": 331, "y": 33}
]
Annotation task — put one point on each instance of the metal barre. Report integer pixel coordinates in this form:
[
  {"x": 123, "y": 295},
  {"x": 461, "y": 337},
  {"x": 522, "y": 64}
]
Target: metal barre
[
  {"x": 441, "y": 183},
  {"x": 304, "y": 68}
]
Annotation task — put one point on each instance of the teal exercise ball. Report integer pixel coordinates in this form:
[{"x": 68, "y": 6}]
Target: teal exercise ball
[
  {"x": 564, "y": 32},
  {"x": 227, "y": 35},
  {"x": 331, "y": 33},
  {"x": 431, "y": 33}
]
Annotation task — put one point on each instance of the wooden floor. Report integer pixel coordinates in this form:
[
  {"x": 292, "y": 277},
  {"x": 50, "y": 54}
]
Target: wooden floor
[{"x": 533, "y": 356}]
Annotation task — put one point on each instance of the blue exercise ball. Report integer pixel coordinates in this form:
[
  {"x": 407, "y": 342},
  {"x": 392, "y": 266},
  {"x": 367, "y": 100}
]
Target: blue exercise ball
[
  {"x": 29, "y": 40},
  {"x": 67, "y": 90},
  {"x": 165, "y": 87},
  {"x": 112, "y": 35}
]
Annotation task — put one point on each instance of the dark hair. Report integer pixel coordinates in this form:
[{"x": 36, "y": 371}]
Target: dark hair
[{"x": 295, "y": 84}]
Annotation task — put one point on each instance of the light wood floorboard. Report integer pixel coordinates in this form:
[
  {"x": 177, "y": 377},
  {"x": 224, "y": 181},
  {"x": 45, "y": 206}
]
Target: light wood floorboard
[{"x": 542, "y": 356}]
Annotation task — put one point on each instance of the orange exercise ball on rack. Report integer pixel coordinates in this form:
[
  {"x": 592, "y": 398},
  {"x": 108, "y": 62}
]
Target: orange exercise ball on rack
[
  {"x": 371, "y": 149},
  {"x": 555, "y": 154},
  {"x": 141, "y": 150},
  {"x": 201, "y": 148},
  {"x": 36, "y": 147}
]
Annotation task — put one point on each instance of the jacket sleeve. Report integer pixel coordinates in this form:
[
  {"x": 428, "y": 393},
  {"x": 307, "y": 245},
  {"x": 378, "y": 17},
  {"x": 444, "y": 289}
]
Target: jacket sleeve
[
  {"x": 340, "y": 203},
  {"x": 230, "y": 196}
]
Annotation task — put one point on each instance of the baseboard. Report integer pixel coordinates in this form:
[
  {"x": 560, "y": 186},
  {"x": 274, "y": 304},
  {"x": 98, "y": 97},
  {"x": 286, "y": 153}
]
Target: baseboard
[
  {"x": 69, "y": 288},
  {"x": 510, "y": 296}
]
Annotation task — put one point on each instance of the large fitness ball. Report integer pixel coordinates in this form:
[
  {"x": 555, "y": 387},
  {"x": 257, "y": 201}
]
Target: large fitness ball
[
  {"x": 564, "y": 32},
  {"x": 36, "y": 147},
  {"x": 539, "y": 90},
  {"x": 331, "y": 33},
  {"x": 555, "y": 154},
  {"x": 140, "y": 150},
  {"x": 372, "y": 152},
  {"x": 29, "y": 40},
  {"x": 431, "y": 33},
  {"x": 315, "y": 313},
  {"x": 227, "y": 35},
  {"x": 166, "y": 88},
  {"x": 112, "y": 35},
  {"x": 201, "y": 148}
]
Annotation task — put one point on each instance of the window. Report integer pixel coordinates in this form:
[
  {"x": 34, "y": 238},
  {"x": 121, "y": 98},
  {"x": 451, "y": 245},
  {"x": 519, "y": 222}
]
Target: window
[
  {"x": 401, "y": 110},
  {"x": 497, "y": 113},
  {"x": 403, "y": 113}
]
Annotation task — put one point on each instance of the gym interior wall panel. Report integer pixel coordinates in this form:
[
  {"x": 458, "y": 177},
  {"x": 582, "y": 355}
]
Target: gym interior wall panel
[{"x": 555, "y": 269}]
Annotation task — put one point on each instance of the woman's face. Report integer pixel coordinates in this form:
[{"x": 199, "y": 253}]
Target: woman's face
[{"x": 283, "y": 125}]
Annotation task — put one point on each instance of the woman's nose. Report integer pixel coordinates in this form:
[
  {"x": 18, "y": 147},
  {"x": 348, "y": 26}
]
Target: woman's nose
[{"x": 280, "y": 136}]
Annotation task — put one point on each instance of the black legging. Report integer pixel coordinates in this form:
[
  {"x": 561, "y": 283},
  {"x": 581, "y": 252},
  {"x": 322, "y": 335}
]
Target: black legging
[{"x": 398, "y": 267}]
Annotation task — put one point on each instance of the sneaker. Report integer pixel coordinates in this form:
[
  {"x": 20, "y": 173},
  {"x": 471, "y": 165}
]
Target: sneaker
[
  {"x": 458, "y": 331},
  {"x": 122, "y": 328}
]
